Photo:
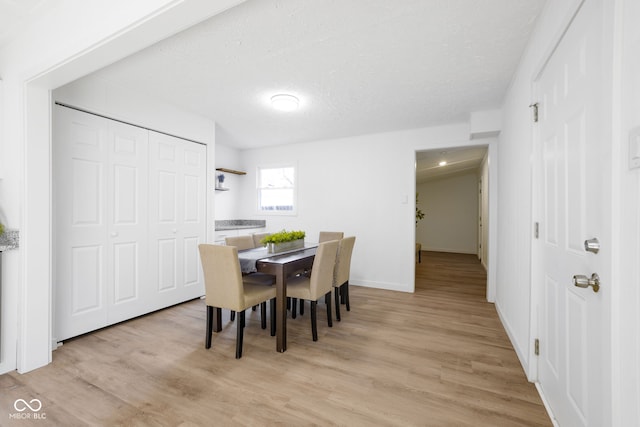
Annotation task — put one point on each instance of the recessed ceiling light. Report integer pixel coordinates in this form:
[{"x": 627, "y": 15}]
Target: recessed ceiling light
[
  {"x": 284, "y": 102},
  {"x": 443, "y": 163}
]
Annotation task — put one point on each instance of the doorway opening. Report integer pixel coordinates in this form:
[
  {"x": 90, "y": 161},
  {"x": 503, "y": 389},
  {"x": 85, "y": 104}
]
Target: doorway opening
[{"x": 453, "y": 193}]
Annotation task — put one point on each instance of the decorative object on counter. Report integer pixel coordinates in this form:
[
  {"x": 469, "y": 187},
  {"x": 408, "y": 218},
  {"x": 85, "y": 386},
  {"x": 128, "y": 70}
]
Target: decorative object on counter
[
  {"x": 283, "y": 241},
  {"x": 1, "y": 229}
]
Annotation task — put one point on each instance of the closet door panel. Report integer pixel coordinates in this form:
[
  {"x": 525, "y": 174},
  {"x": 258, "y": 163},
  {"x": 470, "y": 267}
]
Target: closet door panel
[
  {"x": 80, "y": 170},
  {"x": 176, "y": 220},
  {"x": 127, "y": 184},
  {"x": 129, "y": 213}
]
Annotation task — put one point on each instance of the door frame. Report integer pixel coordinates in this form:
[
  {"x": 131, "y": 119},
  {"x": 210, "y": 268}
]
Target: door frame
[
  {"x": 33, "y": 344},
  {"x": 492, "y": 211},
  {"x": 536, "y": 208}
]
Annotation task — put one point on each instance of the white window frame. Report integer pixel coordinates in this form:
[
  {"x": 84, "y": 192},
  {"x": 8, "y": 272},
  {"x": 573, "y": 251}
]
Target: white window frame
[{"x": 259, "y": 188}]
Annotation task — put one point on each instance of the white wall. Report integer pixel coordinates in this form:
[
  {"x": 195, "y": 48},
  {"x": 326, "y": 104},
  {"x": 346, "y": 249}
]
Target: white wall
[
  {"x": 227, "y": 201},
  {"x": 451, "y": 214},
  {"x": 364, "y": 186},
  {"x": 73, "y": 39},
  {"x": 626, "y": 297}
]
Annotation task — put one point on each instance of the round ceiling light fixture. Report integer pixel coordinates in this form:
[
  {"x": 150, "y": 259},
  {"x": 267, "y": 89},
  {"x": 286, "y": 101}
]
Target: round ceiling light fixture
[{"x": 284, "y": 102}]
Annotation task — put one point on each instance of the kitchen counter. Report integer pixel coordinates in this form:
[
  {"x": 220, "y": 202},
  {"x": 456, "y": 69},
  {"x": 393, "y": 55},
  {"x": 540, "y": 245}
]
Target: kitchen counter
[{"x": 239, "y": 224}]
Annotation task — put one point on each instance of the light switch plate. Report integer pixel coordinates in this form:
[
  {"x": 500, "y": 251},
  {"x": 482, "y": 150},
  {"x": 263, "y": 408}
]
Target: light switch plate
[{"x": 634, "y": 148}]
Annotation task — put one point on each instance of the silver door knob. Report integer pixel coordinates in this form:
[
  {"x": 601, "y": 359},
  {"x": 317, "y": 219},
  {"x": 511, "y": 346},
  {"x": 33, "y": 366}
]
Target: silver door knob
[
  {"x": 582, "y": 281},
  {"x": 592, "y": 245}
]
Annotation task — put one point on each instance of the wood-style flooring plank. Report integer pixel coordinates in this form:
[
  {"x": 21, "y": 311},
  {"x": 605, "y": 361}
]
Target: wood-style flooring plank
[{"x": 437, "y": 357}]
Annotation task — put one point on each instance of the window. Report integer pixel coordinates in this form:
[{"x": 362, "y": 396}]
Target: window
[{"x": 276, "y": 190}]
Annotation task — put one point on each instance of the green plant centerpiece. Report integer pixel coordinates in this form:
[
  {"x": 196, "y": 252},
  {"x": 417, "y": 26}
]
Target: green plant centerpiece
[
  {"x": 283, "y": 241},
  {"x": 1, "y": 229}
]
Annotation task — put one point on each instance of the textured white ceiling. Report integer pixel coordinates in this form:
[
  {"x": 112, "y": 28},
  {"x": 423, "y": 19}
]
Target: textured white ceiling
[{"x": 358, "y": 66}]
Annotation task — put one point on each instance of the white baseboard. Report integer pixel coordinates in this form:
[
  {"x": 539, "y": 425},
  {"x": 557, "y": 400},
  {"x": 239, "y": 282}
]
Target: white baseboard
[{"x": 546, "y": 404}]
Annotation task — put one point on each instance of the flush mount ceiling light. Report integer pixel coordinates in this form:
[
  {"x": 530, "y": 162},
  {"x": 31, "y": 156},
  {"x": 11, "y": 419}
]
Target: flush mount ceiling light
[
  {"x": 442, "y": 163},
  {"x": 284, "y": 102}
]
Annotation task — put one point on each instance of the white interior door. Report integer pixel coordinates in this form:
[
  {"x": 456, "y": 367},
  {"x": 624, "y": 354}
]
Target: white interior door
[
  {"x": 574, "y": 181},
  {"x": 177, "y": 216}
]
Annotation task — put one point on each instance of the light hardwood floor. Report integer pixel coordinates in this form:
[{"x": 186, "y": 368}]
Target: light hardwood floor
[{"x": 439, "y": 357}]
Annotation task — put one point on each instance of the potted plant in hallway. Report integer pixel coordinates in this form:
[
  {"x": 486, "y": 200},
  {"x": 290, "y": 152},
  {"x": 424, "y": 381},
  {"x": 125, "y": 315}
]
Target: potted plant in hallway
[{"x": 283, "y": 241}]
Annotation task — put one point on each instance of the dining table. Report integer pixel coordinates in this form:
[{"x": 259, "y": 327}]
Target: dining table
[{"x": 281, "y": 265}]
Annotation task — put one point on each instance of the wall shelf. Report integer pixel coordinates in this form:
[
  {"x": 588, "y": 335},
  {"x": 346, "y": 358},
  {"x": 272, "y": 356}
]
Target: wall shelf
[{"x": 231, "y": 171}]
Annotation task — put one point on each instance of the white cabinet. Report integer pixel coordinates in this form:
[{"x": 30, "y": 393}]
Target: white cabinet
[{"x": 222, "y": 234}]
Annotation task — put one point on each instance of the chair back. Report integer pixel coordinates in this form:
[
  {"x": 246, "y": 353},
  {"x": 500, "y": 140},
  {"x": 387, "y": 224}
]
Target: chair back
[
  {"x": 324, "y": 263},
  {"x": 343, "y": 262},
  {"x": 222, "y": 276},
  {"x": 257, "y": 237},
  {"x": 240, "y": 242},
  {"x": 325, "y": 236}
]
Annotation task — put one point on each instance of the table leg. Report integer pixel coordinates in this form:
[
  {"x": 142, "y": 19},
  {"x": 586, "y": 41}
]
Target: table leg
[{"x": 281, "y": 310}]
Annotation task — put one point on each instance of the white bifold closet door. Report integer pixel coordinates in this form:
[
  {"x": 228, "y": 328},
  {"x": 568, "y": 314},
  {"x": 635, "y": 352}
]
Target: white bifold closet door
[{"x": 129, "y": 212}]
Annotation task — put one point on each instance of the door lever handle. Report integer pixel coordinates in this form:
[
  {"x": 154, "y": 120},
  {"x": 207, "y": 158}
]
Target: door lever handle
[{"x": 583, "y": 281}]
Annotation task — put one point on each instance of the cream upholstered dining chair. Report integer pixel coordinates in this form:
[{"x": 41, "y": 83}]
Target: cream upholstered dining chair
[
  {"x": 325, "y": 236},
  {"x": 243, "y": 243},
  {"x": 257, "y": 237},
  {"x": 240, "y": 242},
  {"x": 318, "y": 284},
  {"x": 225, "y": 288},
  {"x": 342, "y": 272}
]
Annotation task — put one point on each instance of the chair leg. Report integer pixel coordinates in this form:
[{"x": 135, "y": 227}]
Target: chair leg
[
  {"x": 273, "y": 317},
  {"x": 217, "y": 320},
  {"x": 294, "y": 307},
  {"x": 327, "y": 301},
  {"x": 346, "y": 293},
  {"x": 240, "y": 334},
  {"x": 207, "y": 341},
  {"x": 263, "y": 315},
  {"x": 233, "y": 316},
  {"x": 314, "y": 325},
  {"x": 336, "y": 293},
  {"x": 301, "y": 307}
]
